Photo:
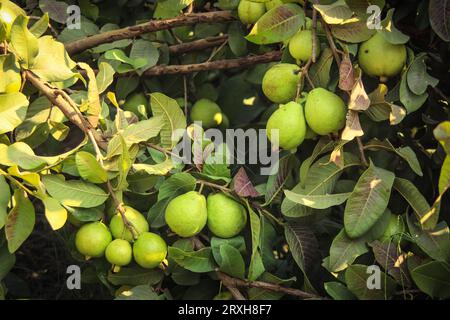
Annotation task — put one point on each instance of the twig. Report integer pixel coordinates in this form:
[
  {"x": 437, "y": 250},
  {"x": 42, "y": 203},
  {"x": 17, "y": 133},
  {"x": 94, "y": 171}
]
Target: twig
[
  {"x": 361, "y": 151},
  {"x": 150, "y": 26},
  {"x": 197, "y": 45},
  {"x": 331, "y": 42},
  {"x": 234, "y": 282},
  {"x": 244, "y": 62},
  {"x": 214, "y": 186}
]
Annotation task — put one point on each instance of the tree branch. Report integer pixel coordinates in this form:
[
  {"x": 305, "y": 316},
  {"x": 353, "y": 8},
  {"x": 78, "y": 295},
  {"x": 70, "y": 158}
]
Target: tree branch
[
  {"x": 244, "y": 62},
  {"x": 150, "y": 26},
  {"x": 197, "y": 45}
]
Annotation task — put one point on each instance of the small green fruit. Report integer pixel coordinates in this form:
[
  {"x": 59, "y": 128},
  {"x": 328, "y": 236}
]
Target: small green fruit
[
  {"x": 272, "y": 4},
  {"x": 208, "y": 112},
  {"x": 280, "y": 82},
  {"x": 92, "y": 239},
  {"x": 137, "y": 221},
  {"x": 325, "y": 112},
  {"x": 377, "y": 57},
  {"x": 119, "y": 253},
  {"x": 249, "y": 12},
  {"x": 395, "y": 230},
  {"x": 136, "y": 103},
  {"x": 149, "y": 250},
  {"x": 300, "y": 46},
  {"x": 289, "y": 120},
  {"x": 184, "y": 33},
  {"x": 186, "y": 215},
  {"x": 226, "y": 217}
]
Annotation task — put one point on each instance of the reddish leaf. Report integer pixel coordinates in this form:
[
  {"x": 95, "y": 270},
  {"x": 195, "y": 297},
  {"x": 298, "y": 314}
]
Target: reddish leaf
[
  {"x": 243, "y": 186},
  {"x": 346, "y": 74}
]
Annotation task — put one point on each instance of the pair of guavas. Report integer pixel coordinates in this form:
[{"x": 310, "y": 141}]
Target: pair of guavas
[{"x": 187, "y": 215}]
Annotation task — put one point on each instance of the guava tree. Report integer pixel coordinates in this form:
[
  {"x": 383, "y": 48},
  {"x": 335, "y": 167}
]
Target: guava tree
[{"x": 96, "y": 97}]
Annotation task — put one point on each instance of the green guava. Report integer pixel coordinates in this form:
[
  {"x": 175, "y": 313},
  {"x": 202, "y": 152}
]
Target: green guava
[
  {"x": 280, "y": 82},
  {"x": 325, "y": 112},
  {"x": 149, "y": 250},
  {"x": 249, "y": 12},
  {"x": 226, "y": 217},
  {"x": 208, "y": 112},
  {"x": 379, "y": 58},
  {"x": 186, "y": 215},
  {"x": 92, "y": 239},
  {"x": 119, "y": 253},
  {"x": 289, "y": 120},
  {"x": 272, "y": 4},
  {"x": 300, "y": 45},
  {"x": 137, "y": 221},
  {"x": 136, "y": 103}
]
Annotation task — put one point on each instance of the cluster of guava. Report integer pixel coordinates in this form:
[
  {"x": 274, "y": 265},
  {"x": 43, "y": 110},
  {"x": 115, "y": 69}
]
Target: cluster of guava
[
  {"x": 128, "y": 235},
  {"x": 132, "y": 239},
  {"x": 321, "y": 112}
]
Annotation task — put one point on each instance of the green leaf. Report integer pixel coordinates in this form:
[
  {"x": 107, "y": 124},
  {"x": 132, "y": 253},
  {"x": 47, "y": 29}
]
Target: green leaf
[
  {"x": 56, "y": 9},
  {"x": 23, "y": 42},
  {"x": 160, "y": 169},
  {"x": 338, "y": 291},
  {"x": 417, "y": 202},
  {"x": 135, "y": 276},
  {"x": 409, "y": 99},
  {"x": 196, "y": 261},
  {"x": 261, "y": 294},
  {"x": 13, "y": 110},
  {"x": 144, "y": 293},
  {"x": 318, "y": 201},
  {"x": 444, "y": 177},
  {"x": 5, "y": 195},
  {"x": 236, "y": 39},
  {"x": 439, "y": 18},
  {"x": 433, "y": 278},
  {"x": 20, "y": 221},
  {"x": 231, "y": 261},
  {"x": 277, "y": 25},
  {"x": 389, "y": 32},
  {"x": 55, "y": 213},
  {"x": 53, "y": 63},
  {"x": 142, "y": 49},
  {"x": 89, "y": 168},
  {"x": 356, "y": 278},
  {"x": 7, "y": 262},
  {"x": 418, "y": 78},
  {"x": 435, "y": 243},
  {"x": 173, "y": 117},
  {"x": 320, "y": 71},
  {"x": 442, "y": 134},
  {"x": 74, "y": 193},
  {"x": 105, "y": 76},
  {"x": 21, "y": 154},
  {"x": 87, "y": 214},
  {"x": 143, "y": 130},
  {"x": 368, "y": 201},
  {"x": 344, "y": 251},
  {"x": 170, "y": 8},
  {"x": 40, "y": 26},
  {"x": 353, "y": 31},
  {"x": 335, "y": 13},
  {"x": 177, "y": 184},
  {"x": 10, "y": 78},
  {"x": 256, "y": 267}
]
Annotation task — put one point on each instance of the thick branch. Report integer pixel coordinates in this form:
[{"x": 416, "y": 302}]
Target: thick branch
[
  {"x": 151, "y": 26},
  {"x": 197, "y": 45},
  {"x": 236, "y": 283},
  {"x": 213, "y": 65}
]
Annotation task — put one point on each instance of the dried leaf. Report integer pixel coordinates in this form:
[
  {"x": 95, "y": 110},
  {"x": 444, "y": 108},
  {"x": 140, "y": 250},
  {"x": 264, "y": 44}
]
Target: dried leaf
[
  {"x": 346, "y": 74},
  {"x": 353, "y": 127},
  {"x": 359, "y": 100}
]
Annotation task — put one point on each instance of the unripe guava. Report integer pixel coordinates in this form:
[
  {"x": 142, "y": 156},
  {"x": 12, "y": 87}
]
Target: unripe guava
[
  {"x": 289, "y": 120},
  {"x": 92, "y": 239},
  {"x": 137, "y": 221},
  {"x": 325, "y": 112},
  {"x": 394, "y": 231},
  {"x": 272, "y": 4},
  {"x": 208, "y": 112},
  {"x": 184, "y": 33},
  {"x": 149, "y": 250},
  {"x": 280, "y": 82},
  {"x": 226, "y": 217},
  {"x": 377, "y": 57},
  {"x": 249, "y": 12},
  {"x": 9, "y": 11},
  {"x": 300, "y": 46},
  {"x": 135, "y": 102},
  {"x": 119, "y": 253},
  {"x": 186, "y": 215}
]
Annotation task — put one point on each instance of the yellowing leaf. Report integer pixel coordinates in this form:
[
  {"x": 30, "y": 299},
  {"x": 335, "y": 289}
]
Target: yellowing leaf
[
  {"x": 55, "y": 213},
  {"x": 95, "y": 107}
]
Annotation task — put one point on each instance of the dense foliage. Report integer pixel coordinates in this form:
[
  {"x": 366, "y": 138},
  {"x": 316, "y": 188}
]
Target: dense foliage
[{"x": 92, "y": 109}]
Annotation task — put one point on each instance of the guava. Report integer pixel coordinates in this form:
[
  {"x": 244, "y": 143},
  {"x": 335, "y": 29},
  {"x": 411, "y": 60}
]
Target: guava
[
  {"x": 395, "y": 230},
  {"x": 280, "y": 82},
  {"x": 119, "y": 253},
  {"x": 325, "y": 112},
  {"x": 186, "y": 215},
  {"x": 300, "y": 45},
  {"x": 8, "y": 13},
  {"x": 208, "y": 112},
  {"x": 272, "y": 4},
  {"x": 149, "y": 250},
  {"x": 289, "y": 120},
  {"x": 92, "y": 239},
  {"x": 379, "y": 58},
  {"x": 136, "y": 103},
  {"x": 137, "y": 221},
  {"x": 249, "y": 12},
  {"x": 226, "y": 217}
]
